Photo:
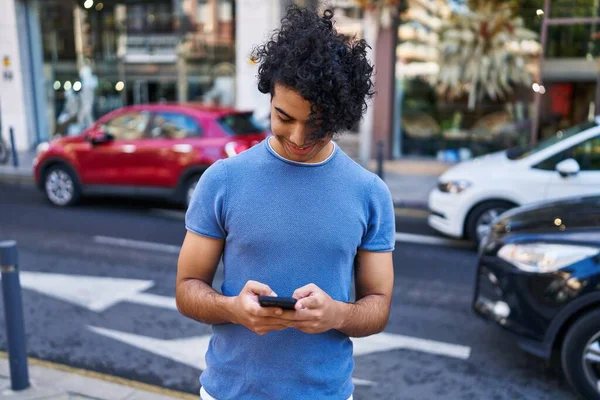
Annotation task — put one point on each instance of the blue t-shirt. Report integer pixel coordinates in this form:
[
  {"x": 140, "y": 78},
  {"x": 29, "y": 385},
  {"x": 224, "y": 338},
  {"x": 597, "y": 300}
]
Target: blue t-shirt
[{"x": 287, "y": 224}]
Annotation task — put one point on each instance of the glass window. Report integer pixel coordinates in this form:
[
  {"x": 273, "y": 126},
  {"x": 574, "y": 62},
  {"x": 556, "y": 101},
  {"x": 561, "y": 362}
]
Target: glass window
[
  {"x": 240, "y": 124},
  {"x": 520, "y": 153},
  {"x": 571, "y": 41},
  {"x": 549, "y": 164},
  {"x": 149, "y": 18},
  {"x": 128, "y": 126},
  {"x": 587, "y": 154},
  {"x": 174, "y": 126}
]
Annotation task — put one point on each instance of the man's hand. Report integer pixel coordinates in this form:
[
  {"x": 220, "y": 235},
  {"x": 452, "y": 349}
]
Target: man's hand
[
  {"x": 316, "y": 311},
  {"x": 249, "y": 313}
]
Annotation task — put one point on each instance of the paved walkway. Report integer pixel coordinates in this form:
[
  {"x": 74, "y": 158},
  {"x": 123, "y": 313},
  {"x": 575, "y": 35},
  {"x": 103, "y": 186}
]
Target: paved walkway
[{"x": 58, "y": 382}]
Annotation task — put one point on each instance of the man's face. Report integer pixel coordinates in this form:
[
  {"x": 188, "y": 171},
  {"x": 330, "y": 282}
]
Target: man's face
[{"x": 289, "y": 123}]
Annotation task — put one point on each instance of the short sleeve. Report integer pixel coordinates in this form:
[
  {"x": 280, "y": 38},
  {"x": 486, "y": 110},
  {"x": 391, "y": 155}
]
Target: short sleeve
[
  {"x": 205, "y": 214},
  {"x": 381, "y": 220}
]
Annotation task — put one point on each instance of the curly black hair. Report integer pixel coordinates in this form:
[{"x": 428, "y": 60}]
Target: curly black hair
[{"x": 328, "y": 69}]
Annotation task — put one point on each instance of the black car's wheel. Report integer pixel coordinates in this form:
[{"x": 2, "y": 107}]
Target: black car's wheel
[
  {"x": 580, "y": 355},
  {"x": 61, "y": 186},
  {"x": 480, "y": 218}
]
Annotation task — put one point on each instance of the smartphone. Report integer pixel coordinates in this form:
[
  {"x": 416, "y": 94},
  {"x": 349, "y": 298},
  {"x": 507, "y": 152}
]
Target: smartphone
[{"x": 287, "y": 303}]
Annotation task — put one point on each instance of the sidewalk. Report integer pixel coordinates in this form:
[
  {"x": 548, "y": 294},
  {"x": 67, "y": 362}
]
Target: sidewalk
[
  {"x": 58, "y": 382},
  {"x": 409, "y": 179},
  {"x": 23, "y": 174}
]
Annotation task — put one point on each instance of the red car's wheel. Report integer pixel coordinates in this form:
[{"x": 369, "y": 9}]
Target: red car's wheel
[{"x": 61, "y": 186}]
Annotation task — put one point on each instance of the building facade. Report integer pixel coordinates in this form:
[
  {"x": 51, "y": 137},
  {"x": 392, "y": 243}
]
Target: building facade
[{"x": 58, "y": 53}]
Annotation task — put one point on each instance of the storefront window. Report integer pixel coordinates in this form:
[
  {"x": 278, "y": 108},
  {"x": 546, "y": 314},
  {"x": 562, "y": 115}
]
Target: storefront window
[
  {"x": 437, "y": 117},
  {"x": 138, "y": 51},
  {"x": 572, "y": 41}
]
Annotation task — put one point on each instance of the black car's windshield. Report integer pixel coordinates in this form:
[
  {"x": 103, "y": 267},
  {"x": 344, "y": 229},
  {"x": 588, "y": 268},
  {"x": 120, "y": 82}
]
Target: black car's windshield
[
  {"x": 518, "y": 153},
  {"x": 240, "y": 124}
]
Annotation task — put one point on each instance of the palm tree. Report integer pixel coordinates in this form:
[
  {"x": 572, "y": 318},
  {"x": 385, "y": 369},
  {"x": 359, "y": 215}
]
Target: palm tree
[{"x": 485, "y": 51}]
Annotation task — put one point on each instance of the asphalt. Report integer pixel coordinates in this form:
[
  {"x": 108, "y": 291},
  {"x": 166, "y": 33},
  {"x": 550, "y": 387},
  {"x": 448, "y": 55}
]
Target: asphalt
[{"x": 431, "y": 308}]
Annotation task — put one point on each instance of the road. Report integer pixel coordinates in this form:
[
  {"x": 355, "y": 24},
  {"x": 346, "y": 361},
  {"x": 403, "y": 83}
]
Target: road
[{"x": 435, "y": 347}]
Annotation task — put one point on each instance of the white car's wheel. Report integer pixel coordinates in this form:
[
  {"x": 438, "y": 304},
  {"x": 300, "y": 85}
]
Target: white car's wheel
[{"x": 479, "y": 221}]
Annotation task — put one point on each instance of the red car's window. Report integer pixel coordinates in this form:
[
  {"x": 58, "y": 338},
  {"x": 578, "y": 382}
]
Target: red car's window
[
  {"x": 240, "y": 124},
  {"x": 128, "y": 126},
  {"x": 173, "y": 125}
]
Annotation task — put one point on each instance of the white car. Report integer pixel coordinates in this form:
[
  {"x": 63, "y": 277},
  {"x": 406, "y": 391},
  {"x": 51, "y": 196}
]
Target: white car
[{"x": 471, "y": 194}]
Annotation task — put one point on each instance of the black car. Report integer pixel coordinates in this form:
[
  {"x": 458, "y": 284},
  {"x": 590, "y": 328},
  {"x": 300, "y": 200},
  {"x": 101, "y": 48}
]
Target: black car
[{"x": 539, "y": 278}]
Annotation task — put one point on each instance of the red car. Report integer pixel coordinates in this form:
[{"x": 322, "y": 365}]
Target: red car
[{"x": 148, "y": 150}]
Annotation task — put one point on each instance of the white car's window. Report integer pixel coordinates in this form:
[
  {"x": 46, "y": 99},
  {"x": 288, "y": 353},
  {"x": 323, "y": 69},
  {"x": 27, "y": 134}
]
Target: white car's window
[
  {"x": 587, "y": 154},
  {"x": 522, "y": 152}
]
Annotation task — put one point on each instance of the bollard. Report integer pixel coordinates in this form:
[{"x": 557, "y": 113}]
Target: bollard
[
  {"x": 13, "y": 312},
  {"x": 13, "y": 148},
  {"x": 380, "y": 159}
]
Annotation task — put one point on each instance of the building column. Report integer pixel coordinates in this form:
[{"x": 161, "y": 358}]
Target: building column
[
  {"x": 383, "y": 107},
  {"x": 22, "y": 90},
  {"x": 254, "y": 20}
]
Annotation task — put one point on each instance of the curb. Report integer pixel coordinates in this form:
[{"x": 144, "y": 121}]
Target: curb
[
  {"x": 16, "y": 177},
  {"x": 137, "y": 385}
]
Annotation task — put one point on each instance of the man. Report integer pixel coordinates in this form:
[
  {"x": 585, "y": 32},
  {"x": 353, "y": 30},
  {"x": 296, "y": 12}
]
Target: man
[{"x": 292, "y": 216}]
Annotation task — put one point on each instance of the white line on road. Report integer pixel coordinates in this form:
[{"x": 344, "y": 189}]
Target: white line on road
[
  {"x": 434, "y": 240},
  {"x": 173, "y": 214},
  {"x": 172, "y": 249},
  {"x": 363, "y": 382},
  {"x": 153, "y": 300},
  {"x": 389, "y": 341},
  {"x": 137, "y": 244}
]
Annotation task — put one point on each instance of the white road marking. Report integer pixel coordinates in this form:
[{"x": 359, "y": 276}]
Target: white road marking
[
  {"x": 153, "y": 300},
  {"x": 173, "y": 214},
  {"x": 192, "y": 351},
  {"x": 390, "y": 341},
  {"x": 137, "y": 244},
  {"x": 433, "y": 240},
  {"x": 401, "y": 237},
  {"x": 180, "y": 350},
  {"x": 363, "y": 382},
  {"x": 188, "y": 351},
  {"x": 96, "y": 293}
]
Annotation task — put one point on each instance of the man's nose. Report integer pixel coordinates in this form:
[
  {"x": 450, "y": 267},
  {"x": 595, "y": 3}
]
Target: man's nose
[{"x": 298, "y": 136}]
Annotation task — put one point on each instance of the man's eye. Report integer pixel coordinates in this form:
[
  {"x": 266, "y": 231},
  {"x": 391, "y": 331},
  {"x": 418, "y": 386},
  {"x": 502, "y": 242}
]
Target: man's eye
[{"x": 285, "y": 121}]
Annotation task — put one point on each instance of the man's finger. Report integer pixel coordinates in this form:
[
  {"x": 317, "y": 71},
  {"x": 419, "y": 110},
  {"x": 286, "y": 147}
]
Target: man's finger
[
  {"x": 305, "y": 291},
  {"x": 259, "y": 288},
  {"x": 260, "y": 311},
  {"x": 310, "y": 302}
]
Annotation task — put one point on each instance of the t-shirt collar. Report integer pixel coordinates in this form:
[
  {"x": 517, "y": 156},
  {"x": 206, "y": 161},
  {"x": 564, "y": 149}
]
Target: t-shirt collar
[{"x": 302, "y": 164}]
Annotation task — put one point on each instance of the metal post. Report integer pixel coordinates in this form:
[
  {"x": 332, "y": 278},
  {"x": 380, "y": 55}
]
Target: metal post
[
  {"x": 538, "y": 98},
  {"x": 380, "y": 146},
  {"x": 13, "y": 312},
  {"x": 13, "y": 147}
]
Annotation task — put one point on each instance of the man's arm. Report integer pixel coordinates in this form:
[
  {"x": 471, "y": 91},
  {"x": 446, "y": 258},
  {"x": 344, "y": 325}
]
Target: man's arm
[
  {"x": 374, "y": 281},
  {"x": 196, "y": 299},
  {"x": 317, "y": 312}
]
